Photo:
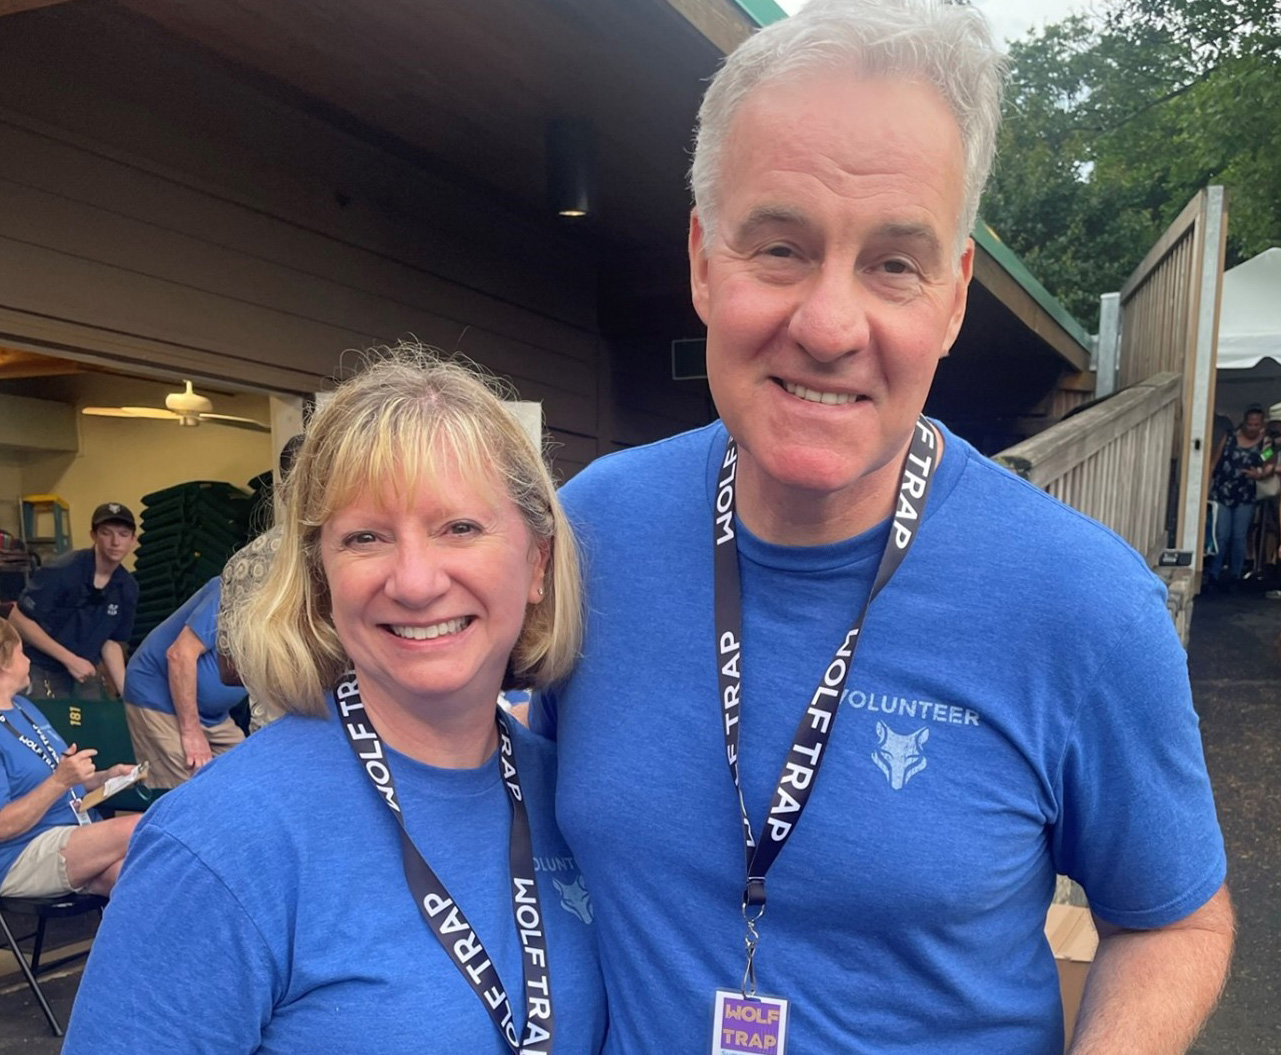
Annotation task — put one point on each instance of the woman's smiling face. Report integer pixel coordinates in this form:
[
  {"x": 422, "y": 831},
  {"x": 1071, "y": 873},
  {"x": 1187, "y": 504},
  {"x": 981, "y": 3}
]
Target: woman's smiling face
[{"x": 429, "y": 591}]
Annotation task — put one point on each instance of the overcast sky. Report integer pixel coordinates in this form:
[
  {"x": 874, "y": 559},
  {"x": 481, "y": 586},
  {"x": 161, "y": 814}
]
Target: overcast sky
[{"x": 1010, "y": 19}]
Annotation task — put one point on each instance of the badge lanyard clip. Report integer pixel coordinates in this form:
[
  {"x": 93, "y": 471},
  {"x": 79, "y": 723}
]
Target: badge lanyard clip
[
  {"x": 750, "y": 915},
  {"x": 753, "y": 910}
]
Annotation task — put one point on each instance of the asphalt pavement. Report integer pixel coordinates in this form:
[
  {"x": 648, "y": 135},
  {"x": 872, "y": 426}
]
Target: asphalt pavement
[{"x": 1236, "y": 683}]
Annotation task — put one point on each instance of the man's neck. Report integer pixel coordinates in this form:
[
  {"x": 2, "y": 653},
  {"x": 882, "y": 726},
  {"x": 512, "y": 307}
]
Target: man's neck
[
  {"x": 103, "y": 568},
  {"x": 789, "y": 516}
]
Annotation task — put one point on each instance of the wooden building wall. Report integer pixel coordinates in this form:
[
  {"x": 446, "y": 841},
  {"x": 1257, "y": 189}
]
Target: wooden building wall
[{"x": 167, "y": 210}]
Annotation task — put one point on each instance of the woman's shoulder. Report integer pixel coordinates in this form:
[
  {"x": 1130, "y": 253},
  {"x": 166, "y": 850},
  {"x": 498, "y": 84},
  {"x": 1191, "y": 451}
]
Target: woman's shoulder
[
  {"x": 24, "y": 706},
  {"x": 275, "y": 773}
]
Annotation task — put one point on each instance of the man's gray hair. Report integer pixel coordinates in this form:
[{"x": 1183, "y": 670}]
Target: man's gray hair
[{"x": 946, "y": 45}]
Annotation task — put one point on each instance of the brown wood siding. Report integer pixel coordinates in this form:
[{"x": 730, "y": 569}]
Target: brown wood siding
[
  {"x": 169, "y": 211},
  {"x": 168, "y": 245}
]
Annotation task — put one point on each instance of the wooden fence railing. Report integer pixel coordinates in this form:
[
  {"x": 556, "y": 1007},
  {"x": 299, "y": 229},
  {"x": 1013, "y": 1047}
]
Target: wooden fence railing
[{"x": 1112, "y": 461}]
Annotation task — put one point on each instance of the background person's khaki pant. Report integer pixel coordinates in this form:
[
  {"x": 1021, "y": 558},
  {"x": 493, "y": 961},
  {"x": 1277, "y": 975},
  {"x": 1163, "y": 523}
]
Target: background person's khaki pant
[{"x": 155, "y": 739}]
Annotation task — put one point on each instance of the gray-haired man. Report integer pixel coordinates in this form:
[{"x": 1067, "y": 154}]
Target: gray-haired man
[{"x": 865, "y": 819}]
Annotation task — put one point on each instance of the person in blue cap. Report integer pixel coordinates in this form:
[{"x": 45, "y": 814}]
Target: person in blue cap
[{"x": 77, "y": 612}]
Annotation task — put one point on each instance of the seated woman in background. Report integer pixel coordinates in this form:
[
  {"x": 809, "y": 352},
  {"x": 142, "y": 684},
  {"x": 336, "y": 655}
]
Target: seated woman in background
[
  {"x": 380, "y": 869},
  {"x": 48, "y": 846}
]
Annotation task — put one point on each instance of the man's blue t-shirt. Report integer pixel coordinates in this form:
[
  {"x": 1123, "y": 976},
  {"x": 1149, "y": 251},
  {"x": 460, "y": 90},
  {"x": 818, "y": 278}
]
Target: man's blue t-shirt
[
  {"x": 147, "y": 675},
  {"x": 1018, "y": 706},
  {"x": 266, "y": 906},
  {"x": 63, "y": 600},
  {"x": 22, "y": 770}
]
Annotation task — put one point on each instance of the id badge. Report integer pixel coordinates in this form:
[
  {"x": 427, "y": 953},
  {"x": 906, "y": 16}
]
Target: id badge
[
  {"x": 82, "y": 814},
  {"x": 748, "y": 1025}
]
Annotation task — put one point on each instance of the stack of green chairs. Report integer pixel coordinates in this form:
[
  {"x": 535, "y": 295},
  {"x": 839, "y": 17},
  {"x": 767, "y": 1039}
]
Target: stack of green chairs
[
  {"x": 188, "y": 532},
  {"x": 100, "y": 724}
]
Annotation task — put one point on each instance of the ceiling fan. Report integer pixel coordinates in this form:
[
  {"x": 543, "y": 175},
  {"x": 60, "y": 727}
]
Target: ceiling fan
[{"x": 188, "y": 408}]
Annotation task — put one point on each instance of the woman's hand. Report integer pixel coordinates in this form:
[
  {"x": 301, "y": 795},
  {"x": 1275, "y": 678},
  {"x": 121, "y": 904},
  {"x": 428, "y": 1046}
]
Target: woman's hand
[
  {"x": 120, "y": 769},
  {"x": 75, "y": 767}
]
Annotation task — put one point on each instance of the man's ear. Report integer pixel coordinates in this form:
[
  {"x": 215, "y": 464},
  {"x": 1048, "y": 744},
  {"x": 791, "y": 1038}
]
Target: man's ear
[
  {"x": 964, "y": 272},
  {"x": 698, "y": 266}
]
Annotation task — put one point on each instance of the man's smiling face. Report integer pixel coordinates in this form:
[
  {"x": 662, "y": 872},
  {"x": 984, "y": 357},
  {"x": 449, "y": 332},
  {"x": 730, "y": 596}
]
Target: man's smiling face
[{"x": 833, "y": 287}]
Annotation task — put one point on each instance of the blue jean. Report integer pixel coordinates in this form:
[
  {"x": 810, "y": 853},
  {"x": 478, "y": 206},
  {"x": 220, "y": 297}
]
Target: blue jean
[{"x": 1230, "y": 530}]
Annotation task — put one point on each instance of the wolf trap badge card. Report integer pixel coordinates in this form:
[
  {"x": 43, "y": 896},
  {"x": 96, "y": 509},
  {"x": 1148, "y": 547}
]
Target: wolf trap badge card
[{"x": 748, "y": 1025}]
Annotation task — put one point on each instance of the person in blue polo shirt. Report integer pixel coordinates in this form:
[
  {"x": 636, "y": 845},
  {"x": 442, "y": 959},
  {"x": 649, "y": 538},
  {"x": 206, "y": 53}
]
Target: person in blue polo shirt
[
  {"x": 78, "y": 611},
  {"x": 176, "y": 705}
]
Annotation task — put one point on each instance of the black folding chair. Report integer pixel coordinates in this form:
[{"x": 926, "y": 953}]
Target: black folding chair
[{"x": 44, "y": 909}]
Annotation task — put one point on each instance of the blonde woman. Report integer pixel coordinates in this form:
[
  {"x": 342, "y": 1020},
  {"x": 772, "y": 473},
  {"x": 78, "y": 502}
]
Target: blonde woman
[{"x": 381, "y": 869}]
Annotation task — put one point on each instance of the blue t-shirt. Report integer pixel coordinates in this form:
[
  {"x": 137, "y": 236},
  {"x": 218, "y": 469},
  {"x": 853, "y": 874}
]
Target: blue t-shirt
[
  {"x": 266, "y": 907},
  {"x": 63, "y": 600},
  {"x": 1018, "y": 705},
  {"x": 23, "y": 770},
  {"x": 147, "y": 675}
]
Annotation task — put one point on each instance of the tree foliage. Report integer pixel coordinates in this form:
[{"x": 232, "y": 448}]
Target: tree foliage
[{"x": 1114, "y": 121}]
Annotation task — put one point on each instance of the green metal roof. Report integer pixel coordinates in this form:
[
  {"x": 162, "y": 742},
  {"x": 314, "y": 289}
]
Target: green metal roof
[
  {"x": 1014, "y": 267},
  {"x": 763, "y": 12}
]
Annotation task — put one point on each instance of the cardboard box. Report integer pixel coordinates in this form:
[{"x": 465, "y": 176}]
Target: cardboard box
[{"x": 1073, "y": 939}]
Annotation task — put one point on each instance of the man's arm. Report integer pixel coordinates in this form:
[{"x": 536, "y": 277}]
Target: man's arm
[
  {"x": 542, "y": 714},
  {"x": 35, "y": 635},
  {"x": 1150, "y": 991},
  {"x": 113, "y": 658},
  {"x": 182, "y": 657}
]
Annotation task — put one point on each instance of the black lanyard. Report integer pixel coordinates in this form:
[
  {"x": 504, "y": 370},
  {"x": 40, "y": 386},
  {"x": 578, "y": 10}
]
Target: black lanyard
[
  {"x": 800, "y": 769},
  {"x": 48, "y": 755},
  {"x": 438, "y": 909}
]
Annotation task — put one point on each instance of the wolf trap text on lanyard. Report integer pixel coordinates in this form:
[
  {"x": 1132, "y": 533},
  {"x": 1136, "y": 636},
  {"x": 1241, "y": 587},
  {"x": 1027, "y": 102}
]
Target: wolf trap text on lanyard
[
  {"x": 743, "y": 1020},
  {"x": 47, "y": 755},
  {"x": 442, "y": 914}
]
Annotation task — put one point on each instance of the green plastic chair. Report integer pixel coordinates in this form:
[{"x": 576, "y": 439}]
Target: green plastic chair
[{"x": 100, "y": 723}]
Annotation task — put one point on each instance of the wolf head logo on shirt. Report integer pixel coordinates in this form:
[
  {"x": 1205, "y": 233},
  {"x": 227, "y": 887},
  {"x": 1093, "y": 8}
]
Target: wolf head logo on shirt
[
  {"x": 575, "y": 899},
  {"x": 899, "y": 757}
]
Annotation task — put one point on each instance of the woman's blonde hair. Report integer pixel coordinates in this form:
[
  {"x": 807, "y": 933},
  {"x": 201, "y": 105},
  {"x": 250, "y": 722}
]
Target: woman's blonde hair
[
  {"x": 9, "y": 641},
  {"x": 385, "y": 432}
]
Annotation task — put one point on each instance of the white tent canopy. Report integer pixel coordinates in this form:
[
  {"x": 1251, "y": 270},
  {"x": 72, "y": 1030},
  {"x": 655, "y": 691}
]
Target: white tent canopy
[{"x": 1250, "y": 312}]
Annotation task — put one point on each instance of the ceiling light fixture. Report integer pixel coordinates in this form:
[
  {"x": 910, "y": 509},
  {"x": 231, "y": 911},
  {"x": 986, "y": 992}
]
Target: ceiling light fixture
[{"x": 571, "y": 167}]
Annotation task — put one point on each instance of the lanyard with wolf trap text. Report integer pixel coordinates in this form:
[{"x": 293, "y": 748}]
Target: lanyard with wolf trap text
[
  {"x": 812, "y": 734},
  {"x": 445, "y": 918},
  {"x": 47, "y": 755}
]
